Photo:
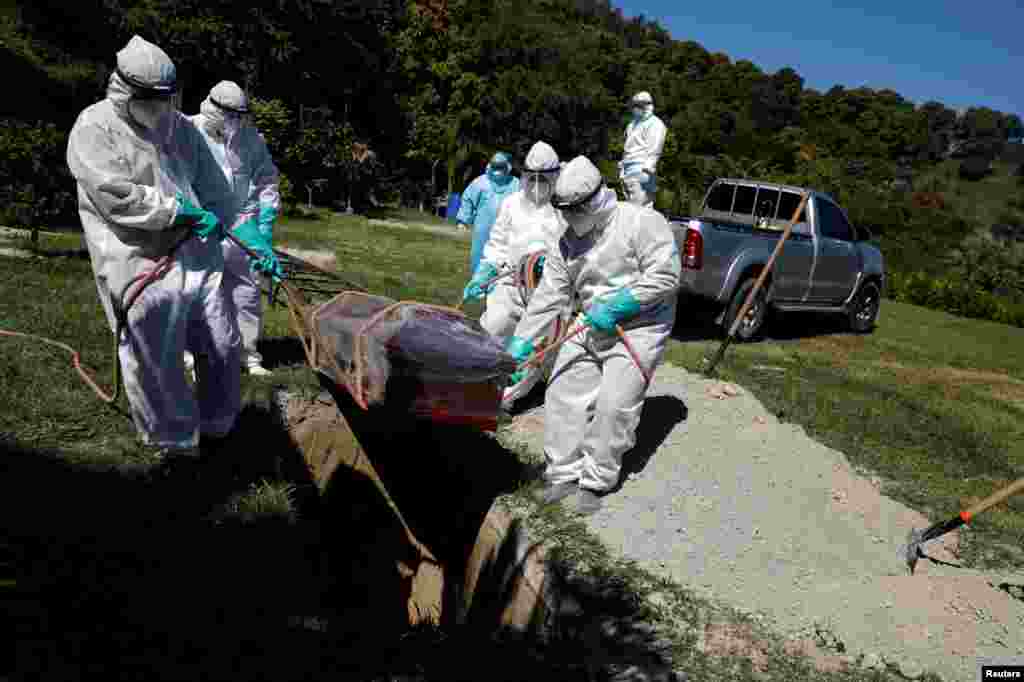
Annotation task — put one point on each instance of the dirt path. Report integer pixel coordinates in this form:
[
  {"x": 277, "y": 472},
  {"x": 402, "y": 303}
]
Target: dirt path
[
  {"x": 745, "y": 509},
  {"x": 452, "y": 231}
]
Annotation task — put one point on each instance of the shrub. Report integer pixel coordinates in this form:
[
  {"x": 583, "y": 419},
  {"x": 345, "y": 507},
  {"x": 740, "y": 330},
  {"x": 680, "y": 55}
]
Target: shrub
[
  {"x": 1000, "y": 231},
  {"x": 287, "y": 191},
  {"x": 974, "y": 168},
  {"x": 928, "y": 200},
  {"x": 954, "y": 296},
  {"x": 36, "y": 187},
  {"x": 989, "y": 267}
]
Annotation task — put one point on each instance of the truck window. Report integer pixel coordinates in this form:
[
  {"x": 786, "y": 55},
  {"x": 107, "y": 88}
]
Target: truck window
[
  {"x": 745, "y": 196},
  {"x": 833, "y": 223},
  {"x": 720, "y": 198},
  {"x": 787, "y": 205},
  {"x": 767, "y": 202}
]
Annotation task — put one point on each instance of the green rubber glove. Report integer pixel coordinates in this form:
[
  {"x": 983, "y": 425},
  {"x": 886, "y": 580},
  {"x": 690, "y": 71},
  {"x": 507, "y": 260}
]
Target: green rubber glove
[
  {"x": 520, "y": 349},
  {"x": 475, "y": 289},
  {"x": 265, "y": 261},
  {"x": 607, "y": 312},
  {"x": 268, "y": 214},
  {"x": 270, "y": 266},
  {"x": 202, "y": 222}
]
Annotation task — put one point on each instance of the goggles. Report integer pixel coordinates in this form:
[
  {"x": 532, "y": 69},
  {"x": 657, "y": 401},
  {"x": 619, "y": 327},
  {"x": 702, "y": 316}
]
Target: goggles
[
  {"x": 142, "y": 90},
  {"x": 577, "y": 207},
  {"x": 231, "y": 110}
]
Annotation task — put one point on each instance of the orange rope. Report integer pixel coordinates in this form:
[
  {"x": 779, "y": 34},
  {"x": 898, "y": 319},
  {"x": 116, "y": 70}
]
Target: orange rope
[
  {"x": 536, "y": 358},
  {"x": 142, "y": 281},
  {"x": 633, "y": 354},
  {"x": 76, "y": 363}
]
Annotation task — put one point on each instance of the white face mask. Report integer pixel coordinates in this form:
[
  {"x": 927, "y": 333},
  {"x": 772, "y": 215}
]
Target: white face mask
[
  {"x": 233, "y": 124},
  {"x": 150, "y": 113},
  {"x": 581, "y": 224}
]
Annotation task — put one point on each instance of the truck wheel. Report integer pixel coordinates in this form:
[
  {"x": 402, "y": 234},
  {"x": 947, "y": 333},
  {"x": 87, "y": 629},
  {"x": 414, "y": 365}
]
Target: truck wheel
[
  {"x": 756, "y": 313},
  {"x": 864, "y": 308}
]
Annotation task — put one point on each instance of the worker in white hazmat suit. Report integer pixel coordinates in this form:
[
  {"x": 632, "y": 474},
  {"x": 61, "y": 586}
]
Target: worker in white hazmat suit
[
  {"x": 223, "y": 121},
  {"x": 145, "y": 181},
  {"x": 645, "y": 140},
  {"x": 622, "y": 263},
  {"x": 527, "y": 223}
]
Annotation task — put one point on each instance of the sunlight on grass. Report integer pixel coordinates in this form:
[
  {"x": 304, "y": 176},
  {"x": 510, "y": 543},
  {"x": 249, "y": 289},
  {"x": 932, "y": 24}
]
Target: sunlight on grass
[{"x": 265, "y": 499}]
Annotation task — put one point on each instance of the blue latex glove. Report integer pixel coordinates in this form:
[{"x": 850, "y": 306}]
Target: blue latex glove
[
  {"x": 520, "y": 349},
  {"x": 475, "y": 289},
  {"x": 607, "y": 312},
  {"x": 202, "y": 222}
]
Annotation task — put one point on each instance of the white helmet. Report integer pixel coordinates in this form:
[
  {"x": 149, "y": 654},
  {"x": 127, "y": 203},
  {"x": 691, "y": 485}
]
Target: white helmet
[
  {"x": 643, "y": 99},
  {"x": 540, "y": 172},
  {"x": 579, "y": 195}
]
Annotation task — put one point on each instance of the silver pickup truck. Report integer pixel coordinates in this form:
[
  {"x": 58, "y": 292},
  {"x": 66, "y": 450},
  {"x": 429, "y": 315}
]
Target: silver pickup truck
[{"x": 826, "y": 265}]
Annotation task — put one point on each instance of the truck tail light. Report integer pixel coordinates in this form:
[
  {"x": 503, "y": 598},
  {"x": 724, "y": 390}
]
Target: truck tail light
[{"x": 693, "y": 249}]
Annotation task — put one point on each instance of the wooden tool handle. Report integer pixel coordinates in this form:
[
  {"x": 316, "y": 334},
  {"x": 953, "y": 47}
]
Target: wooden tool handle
[
  {"x": 767, "y": 267},
  {"x": 993, "y": 499}
]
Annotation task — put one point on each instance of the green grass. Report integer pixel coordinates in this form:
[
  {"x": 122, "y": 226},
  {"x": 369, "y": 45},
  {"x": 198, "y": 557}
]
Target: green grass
[
  {"x": 924, "y": 430},
  {"x": 56, "y": 298},
  {"x": 409, "y": 215},
  {"x": 931, "y": 402}
]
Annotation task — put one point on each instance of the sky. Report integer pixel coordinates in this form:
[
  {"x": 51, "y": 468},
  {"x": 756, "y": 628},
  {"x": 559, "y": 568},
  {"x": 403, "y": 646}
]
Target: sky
[{"x": 959, "y": 53}]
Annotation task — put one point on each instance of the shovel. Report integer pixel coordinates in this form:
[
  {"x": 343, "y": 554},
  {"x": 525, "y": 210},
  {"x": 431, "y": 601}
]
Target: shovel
[
  {"x": 709, "y": 369},
  {"x": 912, "y": 551}
]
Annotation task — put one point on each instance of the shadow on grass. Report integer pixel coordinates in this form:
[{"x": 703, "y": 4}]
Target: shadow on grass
[
  {"x": 282, "y": 351},
  {"x": 661, "y": 414},
  {"x": 123, "y": 575}
]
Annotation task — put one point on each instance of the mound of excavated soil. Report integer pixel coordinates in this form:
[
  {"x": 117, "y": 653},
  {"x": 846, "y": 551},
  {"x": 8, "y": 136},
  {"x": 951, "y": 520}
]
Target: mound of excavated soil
[{"x": 741, "y": 508}]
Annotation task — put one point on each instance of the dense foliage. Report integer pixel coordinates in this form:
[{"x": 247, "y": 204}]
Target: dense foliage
[{"x": 435, "y": 86}]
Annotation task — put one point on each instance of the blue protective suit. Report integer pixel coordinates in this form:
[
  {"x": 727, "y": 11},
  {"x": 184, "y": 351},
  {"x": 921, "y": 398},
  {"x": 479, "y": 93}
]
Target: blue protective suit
[{"x": 480, "y": 203}]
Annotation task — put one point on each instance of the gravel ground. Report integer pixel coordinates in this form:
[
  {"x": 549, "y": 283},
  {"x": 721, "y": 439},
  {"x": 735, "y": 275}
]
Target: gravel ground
[{"x": 741, "y": 508}]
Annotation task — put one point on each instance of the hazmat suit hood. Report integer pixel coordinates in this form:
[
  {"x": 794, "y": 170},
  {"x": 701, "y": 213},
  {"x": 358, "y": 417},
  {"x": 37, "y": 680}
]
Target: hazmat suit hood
[
  {"x": 499, "y": 170},
  {"x": 540, "y": 173},
  {"x": 642, "y": 106},
  {"x": 143, "y": 88},
  {"x": 585, "y": 201},
  {"x": 225, "y": 110}
]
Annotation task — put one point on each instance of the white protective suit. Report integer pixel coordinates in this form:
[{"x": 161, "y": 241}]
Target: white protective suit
[
  {"x": 527, "y": 223},
  {"x": 128, "y": 176},
  {"x": 245, "y": 160},
  {"x": 614, "y": 245},
  {"x": 645, "y": 140}
]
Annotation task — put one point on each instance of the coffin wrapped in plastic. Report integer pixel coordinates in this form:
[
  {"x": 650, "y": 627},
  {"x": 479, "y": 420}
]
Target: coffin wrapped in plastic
[{"x": 430, "y": 360}]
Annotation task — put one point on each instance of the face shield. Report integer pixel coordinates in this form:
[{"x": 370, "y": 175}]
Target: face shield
[
  {"x": 540, "y": 185},
  {"x": 235, "y": 118},
  {"x": 157, "y": 114}
]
